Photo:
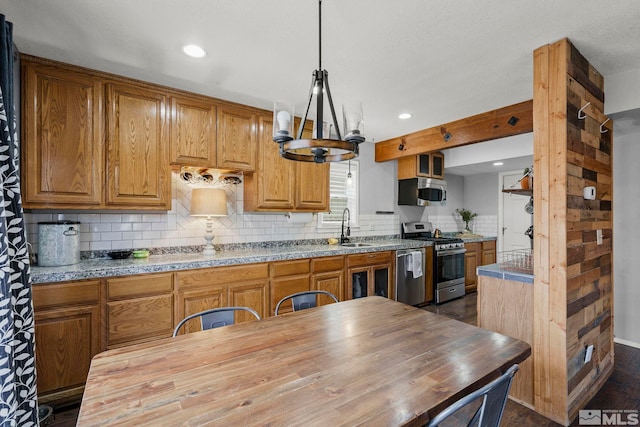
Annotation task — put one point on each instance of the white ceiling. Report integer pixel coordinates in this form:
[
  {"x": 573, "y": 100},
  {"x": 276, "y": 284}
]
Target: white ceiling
[{"x": 439, "y": 59}]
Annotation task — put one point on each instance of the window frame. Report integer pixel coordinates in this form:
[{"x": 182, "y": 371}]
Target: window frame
[{"x": 352, "y": 194}]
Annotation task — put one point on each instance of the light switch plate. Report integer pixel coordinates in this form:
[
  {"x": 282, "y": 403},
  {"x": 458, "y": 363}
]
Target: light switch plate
[
  {"x": 599, "y": 237},
  {"x": 588, "y": 354}
]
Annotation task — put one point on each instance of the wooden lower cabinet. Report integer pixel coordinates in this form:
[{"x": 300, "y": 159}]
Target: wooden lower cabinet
[
  {"x": 202, "y": 289},
  {"x": 139, "y": 308},
  {"x": 478, "y": 253},
  {"x": 328, "y": 275},
  {"x": 370, "y": 274},
  {"x": 67, "y": 332},
  {"x": 76, "y": 320},
  {"x": 288, "y": 277}
]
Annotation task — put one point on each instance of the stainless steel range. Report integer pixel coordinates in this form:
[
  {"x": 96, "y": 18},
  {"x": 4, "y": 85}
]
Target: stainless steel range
[{"x": 448, "y": 260}]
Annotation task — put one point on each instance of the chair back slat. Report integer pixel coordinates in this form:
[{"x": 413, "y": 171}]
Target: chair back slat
[{"x": 303, "y": 300}]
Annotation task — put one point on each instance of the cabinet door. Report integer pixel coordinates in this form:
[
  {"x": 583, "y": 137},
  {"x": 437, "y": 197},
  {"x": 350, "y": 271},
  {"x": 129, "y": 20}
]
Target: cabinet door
[
  {"x": 358, "y": 282},
  {"x": 311, "y": 182},
  {"x": 193, "y": 301},
  {"x": 252, "y": 295},
  {"x": 330, "y": 281},
  {"x": 488, "y": 252},
  {"x": 470, "y": 275},
  {"x": 193, "y": 132},
  {"x": 66, "y": 341},
  {"x": 428, "y": 275},
  {"x": 423, "y": 166},
  {"x": 312, "y": 186},
  {"x": 271, "y": 186},
  {"x": 382, "y": 283},
  {"x": 437, "y": 165},
  {"x": 328, "y": 275},
  {"x": 67, "y": 333},
  {"x": 237, "y": 138},
  {"x": 138, "y": 174},
  {"x": 62, "y": 150}
]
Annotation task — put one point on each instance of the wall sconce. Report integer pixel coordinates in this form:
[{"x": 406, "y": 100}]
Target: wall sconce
[{"x": 209, "y": 203}]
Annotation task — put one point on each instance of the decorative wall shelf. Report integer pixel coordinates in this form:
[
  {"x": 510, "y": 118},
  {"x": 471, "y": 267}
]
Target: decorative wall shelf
[{"x": 519, "y": 191}]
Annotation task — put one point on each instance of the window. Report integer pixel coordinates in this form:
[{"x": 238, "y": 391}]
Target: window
[{"x": 343, "y": 194}]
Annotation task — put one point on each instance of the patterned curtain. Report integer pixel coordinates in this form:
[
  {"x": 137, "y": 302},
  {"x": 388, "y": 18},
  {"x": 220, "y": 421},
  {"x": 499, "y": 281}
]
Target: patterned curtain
[{"x": 18, "y": 396}]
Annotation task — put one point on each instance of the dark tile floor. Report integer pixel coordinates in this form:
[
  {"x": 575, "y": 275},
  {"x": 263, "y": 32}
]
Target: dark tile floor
[{"x": 621, "y": 391}]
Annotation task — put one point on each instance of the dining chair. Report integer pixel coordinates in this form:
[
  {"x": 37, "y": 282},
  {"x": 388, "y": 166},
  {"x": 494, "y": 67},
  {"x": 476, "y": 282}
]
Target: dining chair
[
  {"x": 303, "y": 300},
  {"x": 215, "y": 317},
  {"x": 494, "y": 397}
]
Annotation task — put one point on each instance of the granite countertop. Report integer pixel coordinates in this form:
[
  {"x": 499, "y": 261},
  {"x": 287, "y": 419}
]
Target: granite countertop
[
  {"x": 476, "y": 238},
  {"x": 106, "y": 267},
  {"x": 497, "y": 271}
]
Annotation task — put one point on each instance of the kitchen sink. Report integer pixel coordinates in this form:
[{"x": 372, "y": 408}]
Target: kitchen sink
[{"x": 356, "y": 245}]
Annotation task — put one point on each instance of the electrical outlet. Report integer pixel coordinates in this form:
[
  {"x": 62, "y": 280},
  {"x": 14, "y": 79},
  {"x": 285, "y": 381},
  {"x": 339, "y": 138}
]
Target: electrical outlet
[
  {"x": 588, "y": 353},
  {"x": 599, "y": 237},
  {"x": 372, "y": 227}
]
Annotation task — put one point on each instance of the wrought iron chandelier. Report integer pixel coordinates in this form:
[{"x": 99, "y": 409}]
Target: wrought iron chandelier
[{"x": 326, "y": 144}]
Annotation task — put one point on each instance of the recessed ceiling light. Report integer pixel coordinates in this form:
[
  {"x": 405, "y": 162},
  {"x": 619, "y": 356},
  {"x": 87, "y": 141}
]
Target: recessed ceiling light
[
  {"x": 404, "y": 116},
  {"x": 194, "y": 51},
  {"x": 498, "y": 163}
]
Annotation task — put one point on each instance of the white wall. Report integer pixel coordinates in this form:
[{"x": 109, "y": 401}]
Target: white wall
[
  {"x": 626, "y": 238},
  {"x": 378, "y": 182}
]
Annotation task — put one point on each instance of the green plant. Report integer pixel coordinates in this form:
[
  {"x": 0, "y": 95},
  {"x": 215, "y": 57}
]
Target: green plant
[{"x": 467, "y": 216}]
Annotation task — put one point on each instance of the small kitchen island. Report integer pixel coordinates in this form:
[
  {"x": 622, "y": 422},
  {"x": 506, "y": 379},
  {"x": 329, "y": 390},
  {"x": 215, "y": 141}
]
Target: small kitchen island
[{"x": 505, "y": 305}]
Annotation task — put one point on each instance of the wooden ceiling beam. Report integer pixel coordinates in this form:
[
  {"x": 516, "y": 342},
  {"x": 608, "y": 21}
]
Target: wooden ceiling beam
[{"x": 507, "y": 121}]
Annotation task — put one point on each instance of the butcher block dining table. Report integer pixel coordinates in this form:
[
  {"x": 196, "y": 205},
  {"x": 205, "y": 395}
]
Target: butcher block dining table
[{"x": 367, "y": 361}]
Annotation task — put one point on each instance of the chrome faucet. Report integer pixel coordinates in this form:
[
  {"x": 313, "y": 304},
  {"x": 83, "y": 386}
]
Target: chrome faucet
[{"x": 344, "y": 239}]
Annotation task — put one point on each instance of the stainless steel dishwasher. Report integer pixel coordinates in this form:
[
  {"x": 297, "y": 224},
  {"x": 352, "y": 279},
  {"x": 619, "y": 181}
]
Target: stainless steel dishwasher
[{"x": 410, "y": 286}]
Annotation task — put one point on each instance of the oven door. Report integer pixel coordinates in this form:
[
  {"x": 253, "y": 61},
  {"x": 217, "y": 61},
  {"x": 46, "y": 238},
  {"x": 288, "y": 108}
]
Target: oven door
[{"x": 449, "y": 268}]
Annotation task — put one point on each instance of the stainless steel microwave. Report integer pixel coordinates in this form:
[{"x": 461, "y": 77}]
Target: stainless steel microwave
[{"x": 422, "y": 192}]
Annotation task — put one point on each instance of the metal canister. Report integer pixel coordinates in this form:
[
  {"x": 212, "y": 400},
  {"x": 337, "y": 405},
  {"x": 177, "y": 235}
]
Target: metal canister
[{"x": 58, "y": 243}]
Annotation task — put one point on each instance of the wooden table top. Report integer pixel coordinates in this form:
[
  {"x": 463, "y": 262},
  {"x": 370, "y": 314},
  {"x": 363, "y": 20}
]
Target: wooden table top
[{"x": 368, "y": 361}]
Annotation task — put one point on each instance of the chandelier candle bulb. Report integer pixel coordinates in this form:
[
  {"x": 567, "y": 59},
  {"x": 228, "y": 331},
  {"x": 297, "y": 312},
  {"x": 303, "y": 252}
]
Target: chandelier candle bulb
[{"x": 282, "y": 122}]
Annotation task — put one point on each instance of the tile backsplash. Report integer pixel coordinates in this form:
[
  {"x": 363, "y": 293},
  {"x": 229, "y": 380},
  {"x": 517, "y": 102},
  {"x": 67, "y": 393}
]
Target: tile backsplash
[
  {"x": 485, "y": 225},
  {"x": 109, "y": 230}
]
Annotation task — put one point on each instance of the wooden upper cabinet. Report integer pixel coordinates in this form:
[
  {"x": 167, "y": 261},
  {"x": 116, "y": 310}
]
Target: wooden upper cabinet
[
  {"x": 428, "y": 165},
  {"x": 62, "y": 147},
  {"x": 270, "y": 187},
  {"x": 137, "y": 147},
  {"x": 312, "y": 182},
  {"x": 282, "y": 185},
  {"x": 193, "y": 132},
  {"x": 237, "y": 138}
]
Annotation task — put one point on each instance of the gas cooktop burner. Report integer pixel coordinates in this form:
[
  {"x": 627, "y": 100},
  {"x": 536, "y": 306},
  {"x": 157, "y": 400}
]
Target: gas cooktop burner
[{"x": 423, "y": 231}]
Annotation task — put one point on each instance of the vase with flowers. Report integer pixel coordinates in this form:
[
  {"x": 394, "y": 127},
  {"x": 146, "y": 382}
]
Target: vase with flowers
[{"x": 467, "y": 216}]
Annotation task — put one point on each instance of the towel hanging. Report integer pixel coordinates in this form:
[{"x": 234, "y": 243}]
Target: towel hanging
[{"x": 416, "y": 264}]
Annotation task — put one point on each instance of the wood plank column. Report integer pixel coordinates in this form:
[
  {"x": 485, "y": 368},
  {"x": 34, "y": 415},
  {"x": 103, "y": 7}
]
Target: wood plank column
[{"x": 573, "y": 302}]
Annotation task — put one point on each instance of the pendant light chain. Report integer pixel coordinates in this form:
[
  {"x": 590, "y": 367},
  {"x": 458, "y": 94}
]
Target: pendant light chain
[{"x": 327, "y": 144}]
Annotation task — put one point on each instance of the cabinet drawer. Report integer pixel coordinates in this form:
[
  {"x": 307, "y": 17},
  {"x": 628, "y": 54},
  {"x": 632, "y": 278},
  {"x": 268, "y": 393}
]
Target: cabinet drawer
[
  {"x": 135, "y": 286},
  {"x": 327, "y": 264},
  {"x": 489, "y": 245},
  {"x": 220, "y": 276},
  {"x": 289, "y": 268},
  {"x": 369, "y": 258},
  {"x": 48, "y": 295},
  {"x": 139, "y": 318},
  {"x": 472, "y": 247}
]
